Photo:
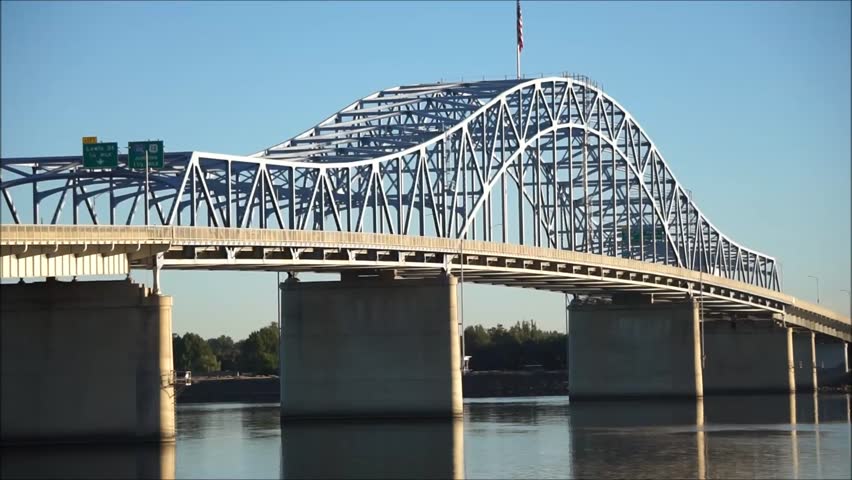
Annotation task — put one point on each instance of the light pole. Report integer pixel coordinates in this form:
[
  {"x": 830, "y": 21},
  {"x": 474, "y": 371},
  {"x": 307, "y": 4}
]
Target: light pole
[
  {"x": 461, "y": 291},
  {"x": 567, "y": 311},
  {"x": 461, "y": 300},
  {"x": 817, "y": 283},
  {"x": 278, "y": 299}
]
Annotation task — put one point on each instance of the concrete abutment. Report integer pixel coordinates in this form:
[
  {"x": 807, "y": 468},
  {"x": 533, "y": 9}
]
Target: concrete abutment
[
  {"x": 370, "y": 348},
  {"x": 86, "y": 362}
]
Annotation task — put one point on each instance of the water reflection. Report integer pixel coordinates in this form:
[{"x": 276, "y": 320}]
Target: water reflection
[
  {"x": 228, "y": 440},
  {"x": 262, "y": 421},
  {"x": 87, "y": 461},
  {"x": 774, "y": 436},
  {"x": 536, "y": 411},
  {"x": 644, "y": 439},
  {"x": 427, "y": 449}
]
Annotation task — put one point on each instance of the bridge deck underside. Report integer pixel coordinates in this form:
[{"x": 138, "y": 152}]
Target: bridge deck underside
[{"x": 486, "y": 269}]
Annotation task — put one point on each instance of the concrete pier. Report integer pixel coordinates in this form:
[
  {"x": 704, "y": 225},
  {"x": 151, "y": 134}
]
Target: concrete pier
[
  {"x": 370, "y": 348},
  {"x": 832, "y": 360},
  {"x": 634, "y": 350},
  {"x": 804, "y": 361},
  {"x": 748, "y": 357},
  {"x": 86, "y": 362}
]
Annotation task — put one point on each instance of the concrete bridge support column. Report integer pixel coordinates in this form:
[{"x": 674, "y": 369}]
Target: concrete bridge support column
[
  {"x": 804, "y": 361},
  {"x": 832, "y": 360},
  {"x": 624, "y": 350},
  {"x": 747, "y": 356},
  {"x": 370, "y": 348},
  {"x": 86, "y": 362}
]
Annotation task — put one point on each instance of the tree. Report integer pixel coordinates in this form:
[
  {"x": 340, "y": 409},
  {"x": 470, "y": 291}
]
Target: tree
[
  {"x": 226, "y": 351},
  {"x": 259, "y": 352},
  {"x": 191, "y": 352},
  {"x": 522, "y": 344},
  {"x": 476, "y": 337},
  {"x": 177, "y": 352}
]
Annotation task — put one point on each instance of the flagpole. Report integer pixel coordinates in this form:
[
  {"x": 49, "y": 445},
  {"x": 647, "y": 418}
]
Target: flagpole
[
  {"x": 518, "y": 50},
  {"x": 519, "y": 43}
]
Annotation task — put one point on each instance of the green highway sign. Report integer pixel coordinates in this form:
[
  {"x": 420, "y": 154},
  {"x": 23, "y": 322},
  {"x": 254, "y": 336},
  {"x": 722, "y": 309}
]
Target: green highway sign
[
  {"x": 635, "y": 238},
  {"x": 136, "y": 154},
  {"x": 100, "y": 155}
]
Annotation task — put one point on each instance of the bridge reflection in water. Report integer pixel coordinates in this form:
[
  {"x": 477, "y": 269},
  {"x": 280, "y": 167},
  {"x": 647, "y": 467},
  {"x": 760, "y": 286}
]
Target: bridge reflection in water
[
  {"x": 774, "y": 436},
  {"x": 715, "y": 437},
  {"x": 89, "y": 461},
  {"x": 419, "y": 449}
]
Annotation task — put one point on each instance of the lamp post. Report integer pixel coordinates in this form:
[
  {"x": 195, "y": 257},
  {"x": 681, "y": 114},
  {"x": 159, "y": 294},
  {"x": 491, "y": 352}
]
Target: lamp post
[
  {"x": 817, "y": 284},
  {"x": 461, "y": 292},
  {"x": 567, "y": 311},
  {"x": 278, "y": 297}
]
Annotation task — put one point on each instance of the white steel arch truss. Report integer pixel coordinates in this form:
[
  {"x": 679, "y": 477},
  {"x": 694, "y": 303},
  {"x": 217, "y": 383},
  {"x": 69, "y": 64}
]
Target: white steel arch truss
[{"x": 551, "y": 162}]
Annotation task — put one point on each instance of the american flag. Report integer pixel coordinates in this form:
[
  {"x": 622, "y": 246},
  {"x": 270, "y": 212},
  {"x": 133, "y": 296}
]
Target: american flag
[{"x": 520, "y": 28}]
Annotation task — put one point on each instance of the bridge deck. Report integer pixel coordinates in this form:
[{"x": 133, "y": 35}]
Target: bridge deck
[{"x": 210, "y": 248}]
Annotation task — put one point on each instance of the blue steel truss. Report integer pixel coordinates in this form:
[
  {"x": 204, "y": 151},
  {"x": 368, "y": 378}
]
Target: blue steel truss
[{"x": 550, "y": 162}]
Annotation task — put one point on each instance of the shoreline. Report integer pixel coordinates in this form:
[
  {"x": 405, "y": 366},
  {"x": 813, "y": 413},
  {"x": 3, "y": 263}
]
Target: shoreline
[{"x": 477, "y": 384}]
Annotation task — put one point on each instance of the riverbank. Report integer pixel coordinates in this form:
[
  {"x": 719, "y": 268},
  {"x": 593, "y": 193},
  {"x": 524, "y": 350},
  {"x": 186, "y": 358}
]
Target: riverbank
[
  {"x": 265, "y": 389},
  {"x": 474, "y": 385}
]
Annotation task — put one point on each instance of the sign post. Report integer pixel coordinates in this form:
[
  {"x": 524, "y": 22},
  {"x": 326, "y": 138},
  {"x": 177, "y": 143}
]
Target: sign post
[{"x": 147, "y": 155}]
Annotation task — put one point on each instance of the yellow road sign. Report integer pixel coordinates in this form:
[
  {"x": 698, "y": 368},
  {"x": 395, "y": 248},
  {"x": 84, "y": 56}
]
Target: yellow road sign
[{"x": 89, "y": 140}]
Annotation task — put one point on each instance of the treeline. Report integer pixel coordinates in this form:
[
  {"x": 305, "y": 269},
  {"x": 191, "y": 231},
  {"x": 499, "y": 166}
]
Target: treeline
[
  {"x": 256, "y": 354},
  {"x": 522, "y": 345},
  {"x": 497, "y": 348}
]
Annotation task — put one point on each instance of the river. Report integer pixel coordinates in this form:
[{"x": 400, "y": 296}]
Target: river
[{"x": 779, "y": 436}]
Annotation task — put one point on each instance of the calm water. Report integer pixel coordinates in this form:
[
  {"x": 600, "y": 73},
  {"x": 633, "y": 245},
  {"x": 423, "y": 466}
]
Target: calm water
[{"x": 543, "y": 437}]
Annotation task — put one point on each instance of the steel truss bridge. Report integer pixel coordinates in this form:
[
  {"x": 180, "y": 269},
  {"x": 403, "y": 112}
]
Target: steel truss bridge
[{"x": 544, "y": 183}]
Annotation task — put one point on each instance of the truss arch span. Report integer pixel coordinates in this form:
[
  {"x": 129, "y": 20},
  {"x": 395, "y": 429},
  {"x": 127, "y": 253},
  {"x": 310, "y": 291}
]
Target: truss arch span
[
  {"x": 550, "y": 162},
  {"x": 586, "y": 174}
]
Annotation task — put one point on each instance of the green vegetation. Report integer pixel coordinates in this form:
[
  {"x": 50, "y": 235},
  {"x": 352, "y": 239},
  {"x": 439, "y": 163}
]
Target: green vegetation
[
  {"x": 257, "y": 354},
  {"x": 495, "y": 348},
  {"x": 191, "y": 352},
  {"x": 226, "y": 351},
  {"x": 521, "y": 345}
]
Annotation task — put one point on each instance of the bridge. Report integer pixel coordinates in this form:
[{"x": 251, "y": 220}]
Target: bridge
[{"x": 541, "y": 183}]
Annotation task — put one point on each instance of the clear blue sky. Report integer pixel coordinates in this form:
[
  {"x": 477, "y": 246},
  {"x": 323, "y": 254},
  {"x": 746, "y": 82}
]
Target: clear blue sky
[{"x": 748, "y": 102}]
